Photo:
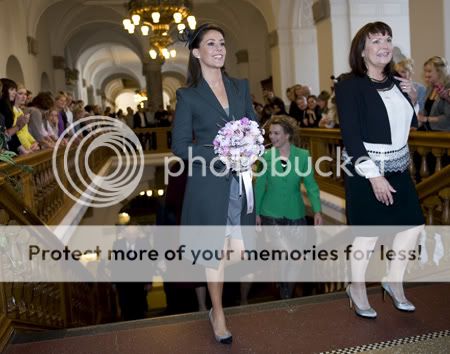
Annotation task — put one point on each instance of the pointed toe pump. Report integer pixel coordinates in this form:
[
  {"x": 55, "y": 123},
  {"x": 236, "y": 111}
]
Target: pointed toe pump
[
  {"x": 366, "y": 313},
  {"x": 226, "y": 338}
]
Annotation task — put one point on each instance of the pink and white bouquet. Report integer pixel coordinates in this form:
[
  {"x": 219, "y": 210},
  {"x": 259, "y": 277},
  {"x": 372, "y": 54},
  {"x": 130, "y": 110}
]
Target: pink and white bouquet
[{"x": 239, "y": 143}]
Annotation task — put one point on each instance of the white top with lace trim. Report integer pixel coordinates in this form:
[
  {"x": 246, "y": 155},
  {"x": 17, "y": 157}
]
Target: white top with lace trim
[{"x": 400, "y": 114}]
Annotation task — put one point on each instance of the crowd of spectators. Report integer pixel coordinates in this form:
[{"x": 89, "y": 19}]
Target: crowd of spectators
[
  {"x": 35, "y": 123},
  {"x": 319, "y": 111},
  {"x": 29, "y": 124}
]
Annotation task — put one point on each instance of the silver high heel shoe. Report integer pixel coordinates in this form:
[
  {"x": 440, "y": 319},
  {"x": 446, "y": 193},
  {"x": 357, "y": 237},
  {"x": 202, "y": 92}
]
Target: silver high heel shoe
[
  {"x": 399, "y": 305},
  {"x": 369, "y": 313},
  {"x": 227, "y": 338}
]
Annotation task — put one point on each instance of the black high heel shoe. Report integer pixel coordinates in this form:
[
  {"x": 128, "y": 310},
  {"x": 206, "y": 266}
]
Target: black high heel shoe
[
  {"x": 369, "y": 313},
  {"x": 406, "y": 305},
  {"x": 227, "y": 338}
]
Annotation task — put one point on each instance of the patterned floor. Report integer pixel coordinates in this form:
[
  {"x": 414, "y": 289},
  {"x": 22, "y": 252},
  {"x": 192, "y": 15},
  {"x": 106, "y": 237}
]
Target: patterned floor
[{"x": 436, "y": 342}]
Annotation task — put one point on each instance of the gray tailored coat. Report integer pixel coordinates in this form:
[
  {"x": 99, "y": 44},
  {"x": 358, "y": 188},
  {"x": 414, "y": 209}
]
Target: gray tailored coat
[{"x": 198, "y": 118}]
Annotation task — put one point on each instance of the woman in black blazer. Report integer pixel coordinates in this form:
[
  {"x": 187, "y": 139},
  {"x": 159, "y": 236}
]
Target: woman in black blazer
[
  {"x": 211, "y": 99},
  {"x": 376, "y": 111}
]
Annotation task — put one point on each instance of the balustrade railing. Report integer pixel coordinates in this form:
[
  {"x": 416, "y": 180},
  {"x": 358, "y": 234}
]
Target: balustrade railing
[
  {"x": 35, "y": 198},
  {"x": 429, "y": 167}
]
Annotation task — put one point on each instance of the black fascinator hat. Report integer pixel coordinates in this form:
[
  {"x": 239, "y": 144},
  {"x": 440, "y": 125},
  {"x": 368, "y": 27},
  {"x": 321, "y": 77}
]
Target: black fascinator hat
[{"x": 188, "y": 35}]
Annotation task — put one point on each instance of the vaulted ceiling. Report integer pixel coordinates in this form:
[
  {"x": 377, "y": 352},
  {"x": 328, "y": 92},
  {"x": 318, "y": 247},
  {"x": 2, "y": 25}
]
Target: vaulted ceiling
[{"x": 89, "y": 34}]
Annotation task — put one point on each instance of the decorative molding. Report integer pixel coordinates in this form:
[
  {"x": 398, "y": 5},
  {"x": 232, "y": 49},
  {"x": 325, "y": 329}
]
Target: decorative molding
[
  {"x": 306, "y": 18},
  {"x": 321, "y": 10},
  {"x": 242, "y": 56},
  {"x": 71, "y": 76},
  {"x": 33, "y": 47}
]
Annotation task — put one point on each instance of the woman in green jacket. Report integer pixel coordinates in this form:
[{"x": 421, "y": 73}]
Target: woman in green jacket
[{"x": 278, "y": 193}]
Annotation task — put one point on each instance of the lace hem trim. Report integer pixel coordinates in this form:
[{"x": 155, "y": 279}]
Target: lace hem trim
[{"x": 387, "y": 161}]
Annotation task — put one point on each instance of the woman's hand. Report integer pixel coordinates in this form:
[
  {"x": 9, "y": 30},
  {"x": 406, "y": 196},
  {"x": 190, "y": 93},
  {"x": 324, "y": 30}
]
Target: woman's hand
[
  {"x": 35, "y": 147},
  {"x": 318, "y": 220},
  {"x": 21, "y": 121},
  {"x": 382, "y": 190},
  {"x": 407, "y": 87},
  {"x": 422, "y": 118}
]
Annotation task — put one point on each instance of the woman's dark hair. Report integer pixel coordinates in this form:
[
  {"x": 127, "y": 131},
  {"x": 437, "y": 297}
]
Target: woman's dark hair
[
  {"x": 43, "y": 100},
  {"x": 194, "y": 69},
  {"x": 7, "y": 84},
  {"x": 280, "y": 103},
  {"x": 356, "y": 60}
]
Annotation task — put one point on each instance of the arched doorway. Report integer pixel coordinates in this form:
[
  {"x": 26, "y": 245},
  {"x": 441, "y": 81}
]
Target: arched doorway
[{"x": 14, "y": 70}]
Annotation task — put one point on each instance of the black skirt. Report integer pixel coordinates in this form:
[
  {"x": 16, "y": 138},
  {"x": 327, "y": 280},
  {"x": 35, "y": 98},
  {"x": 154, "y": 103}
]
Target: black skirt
[{"x": 363, "y": 208}]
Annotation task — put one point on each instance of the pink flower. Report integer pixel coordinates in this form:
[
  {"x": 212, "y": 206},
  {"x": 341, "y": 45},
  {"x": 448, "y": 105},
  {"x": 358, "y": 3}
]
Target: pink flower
[{"x": 239, "y": 143}]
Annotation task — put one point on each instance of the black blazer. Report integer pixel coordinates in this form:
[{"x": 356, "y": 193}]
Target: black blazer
[{"x": 362, "y": 114}]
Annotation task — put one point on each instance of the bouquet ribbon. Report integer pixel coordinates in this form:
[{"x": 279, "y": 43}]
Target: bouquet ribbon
[{"x": 245, "y": 178}]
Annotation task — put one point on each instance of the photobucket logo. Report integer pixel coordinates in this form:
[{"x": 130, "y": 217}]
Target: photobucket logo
[
  {"x": 81, "y": 139},
  {"x": 271, "y": 164}
]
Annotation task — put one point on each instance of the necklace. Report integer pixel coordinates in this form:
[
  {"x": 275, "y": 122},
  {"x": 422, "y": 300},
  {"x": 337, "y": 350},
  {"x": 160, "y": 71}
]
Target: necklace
[{"x": 378, "y": 81}]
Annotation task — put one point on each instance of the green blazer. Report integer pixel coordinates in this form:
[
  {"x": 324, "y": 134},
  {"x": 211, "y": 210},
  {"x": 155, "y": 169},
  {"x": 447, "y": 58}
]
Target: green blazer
[
  {"x": 198, "y": 118},
  {"x": 280, "y": 196}
]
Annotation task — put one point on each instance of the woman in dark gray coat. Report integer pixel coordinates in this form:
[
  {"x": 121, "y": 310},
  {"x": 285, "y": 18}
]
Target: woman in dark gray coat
[{"x": 210, "y": 99}]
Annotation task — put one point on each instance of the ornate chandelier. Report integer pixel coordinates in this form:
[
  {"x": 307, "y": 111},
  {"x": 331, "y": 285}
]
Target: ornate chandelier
[{"x": 157, "y": 19}]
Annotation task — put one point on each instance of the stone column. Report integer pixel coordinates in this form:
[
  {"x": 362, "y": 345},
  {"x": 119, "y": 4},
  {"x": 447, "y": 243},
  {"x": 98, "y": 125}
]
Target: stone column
[
  {"x": 333, "y": 38},
  {"x": 282, "y": 63},
  {"x": 446, "y": 28},
  {"x": 294, "y": 51},
  {"x": 153, "y": 77}
]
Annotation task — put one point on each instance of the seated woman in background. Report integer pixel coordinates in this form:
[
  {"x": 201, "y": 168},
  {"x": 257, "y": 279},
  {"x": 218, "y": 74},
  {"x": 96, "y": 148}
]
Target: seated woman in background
[
  {"x": 51, "y": 120},
  {"x": 322, "y": 102},
  {"x": 9, "y": 125},
  {"x": 313, "y": 112},
  {"x": 405, "y": 68},
  {"x": 26, "y": 139},
  {"x": 330, "y": 119},
  {"x": 278, "y": 192},
  {"x": 38, "y": 106},
  {"x": 436, "y": 114},
  {"x": 300, "y": 113}
]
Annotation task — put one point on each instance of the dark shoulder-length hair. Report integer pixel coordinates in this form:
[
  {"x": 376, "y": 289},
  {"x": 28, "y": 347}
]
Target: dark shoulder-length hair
[
  {"x": 194, "y": 69},
  {"x": 357, "y": 64},
  {"x": 7, "y": 84}
]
